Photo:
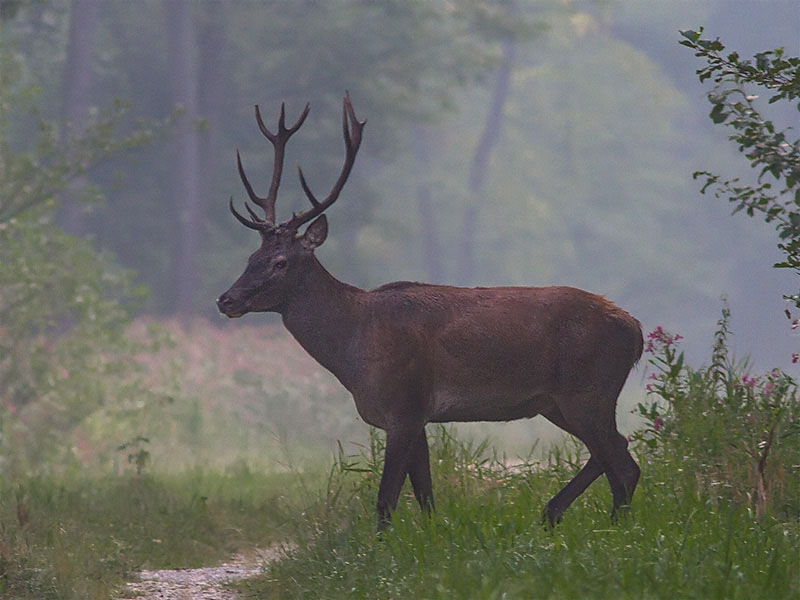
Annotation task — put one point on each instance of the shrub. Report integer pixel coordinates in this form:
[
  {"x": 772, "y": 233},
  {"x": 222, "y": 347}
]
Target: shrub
[
  {"x": 731, "y": 433},
  {"x": 64, "y": 306}
]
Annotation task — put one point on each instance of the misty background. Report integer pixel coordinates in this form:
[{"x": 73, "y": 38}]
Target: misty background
[
  {"x": 508, "y": 143},
  {"x": 533, "y": 143}
]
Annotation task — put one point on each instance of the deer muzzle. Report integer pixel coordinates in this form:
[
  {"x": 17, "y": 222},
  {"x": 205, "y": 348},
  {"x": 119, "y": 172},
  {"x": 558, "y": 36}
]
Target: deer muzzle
[{"x": 229, "y": 306}]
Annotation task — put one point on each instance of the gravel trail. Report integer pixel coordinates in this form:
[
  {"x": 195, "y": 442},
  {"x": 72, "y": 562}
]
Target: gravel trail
[{"x": 205, "y": 583}]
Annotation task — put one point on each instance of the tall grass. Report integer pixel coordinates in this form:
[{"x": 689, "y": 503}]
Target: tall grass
[
  {"x": 162, "y": 472},
  {"x": 716, "y": 513},
  {"x": 80, "y": 538},
  {"x": 200, "y": 396},
  {"x": 730, "y": 434},
  {"x": 485, "y": 539}
]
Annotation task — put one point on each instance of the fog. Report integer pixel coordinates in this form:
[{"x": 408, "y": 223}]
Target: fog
[{"x": 524, "y": 143}]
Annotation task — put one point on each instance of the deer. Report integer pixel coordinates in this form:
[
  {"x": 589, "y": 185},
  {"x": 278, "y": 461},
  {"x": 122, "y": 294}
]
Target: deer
[{"x": 416, "y": 353}]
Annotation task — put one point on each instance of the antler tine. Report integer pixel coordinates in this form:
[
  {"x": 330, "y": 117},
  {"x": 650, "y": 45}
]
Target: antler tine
[
  {"x": 252, "y": 213},
  {"x": 305, "y": 187},
  {"x": 257, "y": 222},
  {"x": 253, "y": 197},
  {"x": 278, "y": 141},
  {"x": 258, "y": 225},
  {"x": 272, "y": 137},
  {"x": 351, "y": 128}
]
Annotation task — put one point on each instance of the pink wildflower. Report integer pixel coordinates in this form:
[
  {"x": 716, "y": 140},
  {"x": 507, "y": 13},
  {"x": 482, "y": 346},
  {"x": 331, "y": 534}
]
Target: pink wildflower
[{"x": 658, "y": 339}]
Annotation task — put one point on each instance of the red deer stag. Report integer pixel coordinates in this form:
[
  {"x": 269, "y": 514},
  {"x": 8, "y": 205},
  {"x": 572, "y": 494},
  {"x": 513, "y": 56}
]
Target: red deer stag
[{"x": 414, "y": 353}]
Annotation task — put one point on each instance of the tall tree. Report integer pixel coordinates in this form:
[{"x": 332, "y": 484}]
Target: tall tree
[
  {"x": 78, "y": 77},
  {"x": 213, "y": 84},
  {"x": 185, "y": 170},
  {"x": 480, "y": 161},
  {"x": 428, "y": 219}
]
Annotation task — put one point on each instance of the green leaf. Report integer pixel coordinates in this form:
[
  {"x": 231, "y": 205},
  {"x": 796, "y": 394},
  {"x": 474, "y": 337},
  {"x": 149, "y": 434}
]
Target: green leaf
[{"x": 718, "y": 114}]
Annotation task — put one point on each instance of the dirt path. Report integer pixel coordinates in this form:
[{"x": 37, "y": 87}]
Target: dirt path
[{"x": 206, "y": 583}]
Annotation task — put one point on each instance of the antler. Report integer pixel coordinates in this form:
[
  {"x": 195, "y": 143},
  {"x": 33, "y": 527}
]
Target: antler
[
  {"x": 278, "y": 141},
  {"x": 351, "y": 127}
]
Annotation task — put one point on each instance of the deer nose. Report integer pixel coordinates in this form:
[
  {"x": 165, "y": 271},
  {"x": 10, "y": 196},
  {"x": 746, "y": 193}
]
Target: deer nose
[
  {"x": 230, "y": 306},
  {"x": 224, "y": 303}
]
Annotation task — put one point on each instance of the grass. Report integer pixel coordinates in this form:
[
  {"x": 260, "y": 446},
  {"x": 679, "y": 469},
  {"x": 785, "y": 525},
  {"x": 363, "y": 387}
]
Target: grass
[
  {"x": 486, "y": 541},
  {"x": 82, "y": 537},
  {"x": 75, "y": 519}
]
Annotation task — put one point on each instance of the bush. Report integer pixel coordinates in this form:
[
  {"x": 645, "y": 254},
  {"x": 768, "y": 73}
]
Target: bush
[
  {"x": 64, "y": 306},
  {"x": 731, "y": 433}
]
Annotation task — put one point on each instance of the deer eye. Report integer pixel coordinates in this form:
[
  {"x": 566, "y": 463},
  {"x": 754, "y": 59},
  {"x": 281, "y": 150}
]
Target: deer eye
[{"x": 280, "y": 264}]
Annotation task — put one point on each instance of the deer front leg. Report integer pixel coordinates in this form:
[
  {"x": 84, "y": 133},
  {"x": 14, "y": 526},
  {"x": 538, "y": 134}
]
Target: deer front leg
[{"x": 400, "y": 444}]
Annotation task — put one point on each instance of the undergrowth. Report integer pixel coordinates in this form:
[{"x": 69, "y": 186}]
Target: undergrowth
[
  {"x": 729, "y": 434},
  {"x": 715, "y": 514},
  {"x": 80, "y": 538},
  {"x": 486, "y": 540}
]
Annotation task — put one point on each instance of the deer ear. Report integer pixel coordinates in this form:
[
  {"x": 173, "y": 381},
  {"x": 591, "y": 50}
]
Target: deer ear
[{"x": 315, "y": 234}]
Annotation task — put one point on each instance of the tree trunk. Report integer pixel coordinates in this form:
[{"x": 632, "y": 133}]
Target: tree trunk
[
  {"x": 185, "y": 157},
  {"x": 211, "y": 103},
  {"x": 480, "y": 163},
  {"x": 78, "y": 77},
  {"x": 431, "y": 247}
]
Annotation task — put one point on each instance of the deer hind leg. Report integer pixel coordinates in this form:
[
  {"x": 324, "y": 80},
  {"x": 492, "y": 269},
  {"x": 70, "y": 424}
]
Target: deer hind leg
[
  {"x": 608, "y": 450},
  {"x": 578, "y": 484},
  {"x": 611, "y": 449},
  {"x": 400, "y": 448},
  {"x": 419, "y": 471},
  {"x": 623, "y": 475}
]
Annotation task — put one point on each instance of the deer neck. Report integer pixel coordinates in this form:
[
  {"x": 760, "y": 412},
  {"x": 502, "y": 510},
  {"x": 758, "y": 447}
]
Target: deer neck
[{"x": 323, "y": 315}]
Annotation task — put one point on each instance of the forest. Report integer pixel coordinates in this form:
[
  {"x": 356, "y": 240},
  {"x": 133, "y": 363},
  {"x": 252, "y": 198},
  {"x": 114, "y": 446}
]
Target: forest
[{"x": 644, "y": 151}]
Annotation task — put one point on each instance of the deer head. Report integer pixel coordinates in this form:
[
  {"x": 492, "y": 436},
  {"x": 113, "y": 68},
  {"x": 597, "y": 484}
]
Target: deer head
[{"x": 285, "y": 255}]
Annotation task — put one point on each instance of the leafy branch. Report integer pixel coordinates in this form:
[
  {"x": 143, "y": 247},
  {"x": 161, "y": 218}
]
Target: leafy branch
[
  {"x": 771, "y": 69},
  {"x": 776, "y": 194},
  {"x": 35, "y": 178}
]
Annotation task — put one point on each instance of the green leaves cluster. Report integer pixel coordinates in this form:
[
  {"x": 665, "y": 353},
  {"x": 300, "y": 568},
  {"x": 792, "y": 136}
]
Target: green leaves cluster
[
  {"x": 769, "y": 149},
  {"x": 770, "y": 69}
]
